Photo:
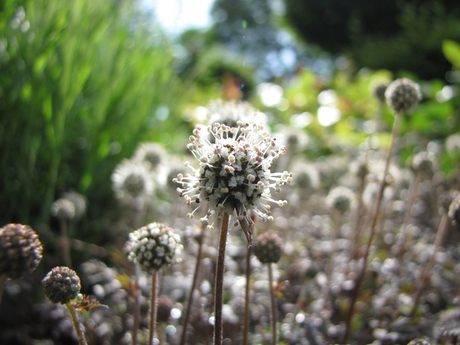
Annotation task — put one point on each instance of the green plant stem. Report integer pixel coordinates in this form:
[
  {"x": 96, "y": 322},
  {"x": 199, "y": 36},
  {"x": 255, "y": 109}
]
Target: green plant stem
[
  {"x": 425, "y": 278},
  {"x": 2, "y": 285},
  {"x": 153, "y": 307},
  {"x": 273, "y": 303},
  {"x": 359, "y": 280},
  {"x": 76, "y": 324},
  {"x": 246, "y": 296},
  {"x": 219, "y": 286},
  {"x": 193, "y": 287}
]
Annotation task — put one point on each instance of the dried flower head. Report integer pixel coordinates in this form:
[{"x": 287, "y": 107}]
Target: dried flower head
[
  {"x": 403, "y": 95},
  {"x": 268, "y": 247},
  {"x": 154, "y": 246},
  {"x": 340, "y": 199},
  {"x": 61, "y": 285},
  {"x": 424, "y": 163},
  {"x": 379, "y": 91},
  {"x": 152, "y": 153},
  {"x": 132, "y": 179},
  {"x": 63, "y": 209},
  {"x": 234, "y": 173},
  {"x": 20, "y": 250},
  {"x": 79, "y": 202}
]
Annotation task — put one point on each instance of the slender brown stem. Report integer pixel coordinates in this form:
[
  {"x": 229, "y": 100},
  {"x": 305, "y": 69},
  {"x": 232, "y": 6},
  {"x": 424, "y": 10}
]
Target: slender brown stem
[
  {"x": 246, "y": 296},
  {"x": 65, "y": 243},
  {"x": 194, "y": 283},
  {"x": 76, "y": 324},
  {"x": 273, "y": 303},
  {"x": 376, "y": 213},
  {"x": 136, "y": 311},
  {"x": 153, "y": 307},
  {"x": 359, "y": 217},
  {"x": 219, "y": 289},
  {"x": 425, "y": 279},
  {"x": 2, "y": 285}
]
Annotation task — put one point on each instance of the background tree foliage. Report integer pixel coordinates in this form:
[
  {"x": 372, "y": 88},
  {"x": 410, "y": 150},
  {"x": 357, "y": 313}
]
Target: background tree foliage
[{"x": 395, "y": 35}]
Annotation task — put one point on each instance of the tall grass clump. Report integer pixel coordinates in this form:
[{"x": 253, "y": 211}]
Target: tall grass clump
[{"x": 81, "y": 83}]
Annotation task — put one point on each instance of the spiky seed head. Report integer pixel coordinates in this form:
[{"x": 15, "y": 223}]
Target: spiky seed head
[
  {"x": 20, "y": 250},
  {"x": 63, "y": 209},
  {"x": 165, "y": 306},
  {"x": 403, "y": 95},
  {"x": 154, "y": 246},
  {"x": 379, "y": 91},
  {"x": 268, "y": 247},
  {"x": 61, "y": 284}
]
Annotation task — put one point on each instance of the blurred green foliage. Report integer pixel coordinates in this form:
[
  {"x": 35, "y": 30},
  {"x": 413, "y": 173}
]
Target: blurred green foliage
[{"x": 81, "y": 84}]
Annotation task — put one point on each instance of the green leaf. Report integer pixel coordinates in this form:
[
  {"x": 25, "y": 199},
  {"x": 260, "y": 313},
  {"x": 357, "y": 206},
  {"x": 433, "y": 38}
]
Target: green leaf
[{"x": 451, "y": 50}]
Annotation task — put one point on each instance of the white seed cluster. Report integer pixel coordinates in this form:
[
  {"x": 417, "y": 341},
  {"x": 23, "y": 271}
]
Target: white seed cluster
[
  {"x": 234, "y": 173},
  {"x": 403, "y": 95},
  {"x": 340, "y": 199},
  {"x": 154, "y": 246},
  {"x": 132, "y": 179},
  {"x": 152, "y": 153}
]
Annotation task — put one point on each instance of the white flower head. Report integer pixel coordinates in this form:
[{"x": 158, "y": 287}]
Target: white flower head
[
  {"x": 152, "y": 153},
  {"x": 234, "y": 171},
  {"x": 230, "y": 112},
  {"x": 132, "y": 179}
]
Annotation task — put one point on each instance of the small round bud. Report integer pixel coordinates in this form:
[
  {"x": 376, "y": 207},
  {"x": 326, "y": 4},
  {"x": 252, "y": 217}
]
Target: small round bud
[
  {"x": 403, "y": 95},
  {"x": 379, "y": 91},
  {"x": 154, "y": 246},
  {"x": 20, "y": 250},
  {"x": 268, "y": 247},
  {"x": 165, "y": 306},
  {"x": 61, "y": 285}
]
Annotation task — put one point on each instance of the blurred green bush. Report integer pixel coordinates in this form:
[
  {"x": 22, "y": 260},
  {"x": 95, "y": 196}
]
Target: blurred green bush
[{"x": 81, "y": 83}]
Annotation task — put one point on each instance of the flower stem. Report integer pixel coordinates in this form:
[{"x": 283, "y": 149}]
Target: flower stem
[
  {"x": 65, "y": 243},
  {"x": 76, "y": 324},
  {"x": 359, "y": 280},
  {"x": 193, "y": 287},
  {"x": 136, "y": 311},
  {"x": 153, "y": 307},
  {"x": 218, "y": 336},
  {"x": 272, "y": 299},
  {"x": 246, "y": 296},
  {"x": 2, "y": 285}
]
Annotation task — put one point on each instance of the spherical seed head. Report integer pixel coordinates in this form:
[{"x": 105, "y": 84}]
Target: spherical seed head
[
  {"x": 306, "y": 177},
  {"x": 165, "y": 306},
  {"x": 154, "y": 246},
  {"x": 133, "y": 179},
  {"x": 454, "y": 210},
  {"x": 424, "y": 163},
  {"x": 340, "y": 199},
  {"x": 268, "y": 247},
  {"x": 63, "y": 209},
  {"x": 403, "y": 95},
  {"x": 79, "y": 202},
  {"x": 20, "y": 250},
  {"x": 61, "y": 285},
  {"x": 379, "y": 91}
]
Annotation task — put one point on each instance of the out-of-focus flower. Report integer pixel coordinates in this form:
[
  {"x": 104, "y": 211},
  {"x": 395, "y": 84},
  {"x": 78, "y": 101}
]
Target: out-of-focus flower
[
  {"x": 424, "y": 163},
  {"x": 403, "y": 95},
  {"x": 454, "y": 210},
  {"x": 79, "y": 202},
  {"x": 154, "y": 246},
  {"x": 152, "y": 153},
  {"x": 379, "y": 91},
  {"x": 63, "y": 209},
  {"x": 340, "y": 199},
  {"x": 306, "y": 177},
  {"x": 230, "y": 112},
  {"x": 165, "y": 306},
  {"x": 268, "y": 248},
  {"x": 61, "y": 285},
  {"x": 132, "y": 179},
  {"x": 20, "y": 250},
  {"x": 234, "y": 174}
]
